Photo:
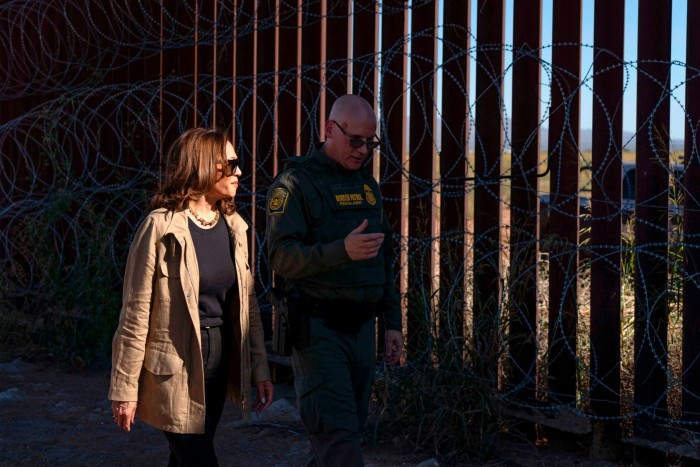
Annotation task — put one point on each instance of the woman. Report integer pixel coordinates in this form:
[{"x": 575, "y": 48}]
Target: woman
[{"x": 189, "y": 331}]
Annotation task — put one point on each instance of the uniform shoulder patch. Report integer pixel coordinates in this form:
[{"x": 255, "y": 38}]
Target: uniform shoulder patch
[{"x": 278, "y": 201}]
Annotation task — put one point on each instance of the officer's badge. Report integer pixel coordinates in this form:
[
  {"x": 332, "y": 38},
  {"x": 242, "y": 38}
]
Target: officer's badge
[
  {"x": 278, "y": 201},
  {"x": 369, "y": 196}
]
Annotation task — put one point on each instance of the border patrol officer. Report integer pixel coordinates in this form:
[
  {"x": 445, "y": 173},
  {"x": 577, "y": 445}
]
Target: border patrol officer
[{"x": 329, "y": 240}]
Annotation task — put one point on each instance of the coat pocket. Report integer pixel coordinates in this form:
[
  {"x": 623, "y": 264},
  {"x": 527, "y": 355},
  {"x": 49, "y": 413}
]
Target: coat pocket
[{"x": 163, "y": 363}]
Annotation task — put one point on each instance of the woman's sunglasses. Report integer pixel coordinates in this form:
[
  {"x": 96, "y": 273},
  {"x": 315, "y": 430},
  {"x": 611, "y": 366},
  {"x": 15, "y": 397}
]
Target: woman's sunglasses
[
  {"x": 356, "y": 142},
  {"x": 229, "y": 166}
]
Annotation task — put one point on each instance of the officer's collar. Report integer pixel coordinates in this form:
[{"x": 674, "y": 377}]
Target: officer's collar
[{"x": 322, "y": 158}]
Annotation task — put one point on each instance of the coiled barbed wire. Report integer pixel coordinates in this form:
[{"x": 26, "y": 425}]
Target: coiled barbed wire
[{"x": 80, "y": 141}]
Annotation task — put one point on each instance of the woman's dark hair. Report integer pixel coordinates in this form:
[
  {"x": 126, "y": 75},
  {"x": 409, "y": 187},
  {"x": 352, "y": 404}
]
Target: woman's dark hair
[{"x": 191, "y": 170}]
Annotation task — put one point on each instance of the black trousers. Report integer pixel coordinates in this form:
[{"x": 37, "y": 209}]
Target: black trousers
[{"x": 198, "y": 449}]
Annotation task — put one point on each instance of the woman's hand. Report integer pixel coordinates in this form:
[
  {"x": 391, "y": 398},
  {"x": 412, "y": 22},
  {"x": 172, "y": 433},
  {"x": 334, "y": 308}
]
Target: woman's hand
[
  {"x": 124, "y": 414},
  {"x": 265, "y": 394}
]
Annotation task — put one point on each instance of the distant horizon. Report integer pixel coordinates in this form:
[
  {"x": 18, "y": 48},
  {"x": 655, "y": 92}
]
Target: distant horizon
[
  {"x": 629, "y": 140},
  {"x": 585, "y": 141}
]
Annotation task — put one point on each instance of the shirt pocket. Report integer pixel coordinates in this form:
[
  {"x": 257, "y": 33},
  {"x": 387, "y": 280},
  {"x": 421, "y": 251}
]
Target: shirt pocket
[{"x": 315, "y": 208}]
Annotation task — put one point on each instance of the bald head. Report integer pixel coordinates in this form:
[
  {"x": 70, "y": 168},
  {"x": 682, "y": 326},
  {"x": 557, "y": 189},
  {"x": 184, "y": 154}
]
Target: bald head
[{"x": 352, "y": 107}]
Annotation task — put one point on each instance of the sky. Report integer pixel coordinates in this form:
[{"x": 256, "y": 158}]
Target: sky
[{"x": 678, "y": 50}]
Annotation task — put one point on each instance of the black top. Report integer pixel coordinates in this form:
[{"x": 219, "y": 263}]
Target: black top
[{"x": 217, "y": 273}]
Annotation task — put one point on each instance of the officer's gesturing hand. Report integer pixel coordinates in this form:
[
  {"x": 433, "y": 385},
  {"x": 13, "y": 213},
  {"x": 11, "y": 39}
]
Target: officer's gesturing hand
[{"x": 361, "y": 245}]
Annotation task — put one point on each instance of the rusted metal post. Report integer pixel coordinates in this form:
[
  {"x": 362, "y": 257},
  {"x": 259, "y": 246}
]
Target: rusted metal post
[
  {"x": 365, "y": 43},
  {"x": 393, "y": 106},
  {"x": 245, "y": 105},
  {"x": 335, "y": 64},
  {"x": 606, "y": 197},
  {"x": 454, "y": 153},
  {"x": 691, "y": 223},
  {"x": 564, "y": 163},
  {"x": 421, "y": 186},
  {"x": 651, "y": 226},
  {"x": 226, "y": 69},
  {"x": 205, "y": 77},
  {"x": 178, "y": 112},
  {"x": 527, "y": 40},
  {"x": 487, "y": 193},
  {"x": 288, "y": 59},
  {"x": 311, "y": 40},
  {"x": 263, "y": 141}
]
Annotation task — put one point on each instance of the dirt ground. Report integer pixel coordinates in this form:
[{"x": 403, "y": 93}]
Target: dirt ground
[{"x": 55, "y": 417}]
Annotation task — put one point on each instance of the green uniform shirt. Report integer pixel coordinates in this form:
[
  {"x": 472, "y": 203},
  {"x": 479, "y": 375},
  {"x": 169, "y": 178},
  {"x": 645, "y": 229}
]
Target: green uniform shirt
[{"x": 312, "y": 206}]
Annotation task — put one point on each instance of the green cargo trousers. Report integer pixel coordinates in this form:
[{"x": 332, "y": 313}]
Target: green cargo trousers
[{"x": 333, "y": 374}]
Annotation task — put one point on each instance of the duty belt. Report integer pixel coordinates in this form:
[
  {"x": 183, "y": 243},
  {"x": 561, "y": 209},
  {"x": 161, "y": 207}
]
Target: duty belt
[{"x": 344, "y": 316}]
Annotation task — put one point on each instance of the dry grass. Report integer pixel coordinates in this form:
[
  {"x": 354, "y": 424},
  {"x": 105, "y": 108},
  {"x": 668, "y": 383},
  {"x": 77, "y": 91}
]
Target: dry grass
[
  {"x": 439, "y": 397},
  {"x": 626, "y": 312}
]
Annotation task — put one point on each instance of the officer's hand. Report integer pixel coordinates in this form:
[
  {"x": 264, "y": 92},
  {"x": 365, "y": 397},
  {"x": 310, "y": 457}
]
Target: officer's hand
[
  {"x": 361, "y": 245},
  {"x": 394, "y": 346}
]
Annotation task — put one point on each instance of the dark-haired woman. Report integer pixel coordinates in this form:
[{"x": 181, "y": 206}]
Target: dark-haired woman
[{"x": 190, "y": 333}]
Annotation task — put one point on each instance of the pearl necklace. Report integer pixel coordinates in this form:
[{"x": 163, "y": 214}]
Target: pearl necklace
[{"x": 202, "y": 221}]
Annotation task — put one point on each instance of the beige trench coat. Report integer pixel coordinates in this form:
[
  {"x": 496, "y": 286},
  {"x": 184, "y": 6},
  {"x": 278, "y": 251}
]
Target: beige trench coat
[{"x": 156, "y": 350}]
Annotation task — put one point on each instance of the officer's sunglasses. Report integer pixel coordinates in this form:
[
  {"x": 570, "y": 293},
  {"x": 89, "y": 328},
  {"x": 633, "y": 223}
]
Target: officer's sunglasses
[
  {"x": 229, "y": 166},
  {"x": 356, "y": 142}
]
